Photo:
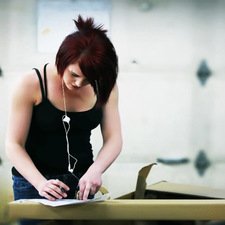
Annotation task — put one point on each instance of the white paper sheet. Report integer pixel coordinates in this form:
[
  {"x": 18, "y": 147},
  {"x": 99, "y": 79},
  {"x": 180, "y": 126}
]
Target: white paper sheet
[{"x": 63, "y": 202}]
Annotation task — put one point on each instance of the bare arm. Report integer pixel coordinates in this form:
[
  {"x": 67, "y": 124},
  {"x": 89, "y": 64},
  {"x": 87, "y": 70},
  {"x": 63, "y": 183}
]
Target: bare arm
[
  {"x": 111, "y": 132},
  {"x": 23, "y": 100},
  {"x": 112, "y": 144}
]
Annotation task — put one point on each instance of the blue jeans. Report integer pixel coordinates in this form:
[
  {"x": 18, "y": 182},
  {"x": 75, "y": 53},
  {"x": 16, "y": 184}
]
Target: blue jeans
[{"x": 24, "y": 190}]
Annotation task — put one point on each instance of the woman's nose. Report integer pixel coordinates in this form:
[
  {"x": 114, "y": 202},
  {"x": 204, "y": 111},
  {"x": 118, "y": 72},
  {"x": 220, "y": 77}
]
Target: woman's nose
[{"x": 77, "y": 83}]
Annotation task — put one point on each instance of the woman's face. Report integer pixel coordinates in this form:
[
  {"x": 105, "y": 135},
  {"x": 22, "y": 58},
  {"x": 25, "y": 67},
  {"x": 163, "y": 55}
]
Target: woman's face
[{"x": 74, "y": 78}]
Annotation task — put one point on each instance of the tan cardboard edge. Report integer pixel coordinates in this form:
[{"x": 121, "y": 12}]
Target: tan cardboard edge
[{"x": 169, "y": 187}]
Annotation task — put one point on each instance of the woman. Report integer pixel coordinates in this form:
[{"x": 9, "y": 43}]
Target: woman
[{"x": 53, "y": 112}]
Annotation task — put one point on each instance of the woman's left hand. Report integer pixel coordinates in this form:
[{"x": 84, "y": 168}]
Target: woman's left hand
[{"x": 89, "y": 184}]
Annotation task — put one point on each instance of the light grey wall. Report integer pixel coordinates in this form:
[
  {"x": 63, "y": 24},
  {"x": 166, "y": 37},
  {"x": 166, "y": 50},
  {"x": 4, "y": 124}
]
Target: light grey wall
[{"x": 165, "y": 111}]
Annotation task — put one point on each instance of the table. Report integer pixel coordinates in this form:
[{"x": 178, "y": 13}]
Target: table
[{"x": 124, "y": 209}]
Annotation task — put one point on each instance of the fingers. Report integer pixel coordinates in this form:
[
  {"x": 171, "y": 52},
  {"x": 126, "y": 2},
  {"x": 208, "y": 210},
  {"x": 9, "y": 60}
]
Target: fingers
[
  {"x": 62, "y": 186},
  {"x": 83, "y": 195},
  {"x": 86, "y": 189},
  {"x": 54, "y": 189}
]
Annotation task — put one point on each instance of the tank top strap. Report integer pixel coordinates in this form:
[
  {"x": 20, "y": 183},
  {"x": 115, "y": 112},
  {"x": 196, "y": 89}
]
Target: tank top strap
[
  {"x": 43, "y": 87},
  {"x": 45, "y": 80}
]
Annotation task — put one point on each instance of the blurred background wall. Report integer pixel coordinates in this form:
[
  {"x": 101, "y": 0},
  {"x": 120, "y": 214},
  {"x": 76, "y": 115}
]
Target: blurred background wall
[{"x": 171, "y": 80}]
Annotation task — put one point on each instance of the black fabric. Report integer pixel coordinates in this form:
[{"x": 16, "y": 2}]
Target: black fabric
[{"x": 46, "y": 142}]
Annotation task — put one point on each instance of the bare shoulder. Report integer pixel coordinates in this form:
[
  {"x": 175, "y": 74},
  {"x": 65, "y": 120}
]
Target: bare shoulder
[
  {"x": 27, "y": 86},
  {"x": 115, "y": 89},
  {"x": 114, "y": 94},
  {"x": 112, "y": 103}
]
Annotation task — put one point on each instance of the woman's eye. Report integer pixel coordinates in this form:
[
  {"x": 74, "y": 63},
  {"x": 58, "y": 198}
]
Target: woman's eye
[{"x": 74, "y": 74}]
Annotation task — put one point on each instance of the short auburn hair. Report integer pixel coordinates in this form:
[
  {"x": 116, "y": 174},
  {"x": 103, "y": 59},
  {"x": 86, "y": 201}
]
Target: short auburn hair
[{"x": 90, "y": 47}]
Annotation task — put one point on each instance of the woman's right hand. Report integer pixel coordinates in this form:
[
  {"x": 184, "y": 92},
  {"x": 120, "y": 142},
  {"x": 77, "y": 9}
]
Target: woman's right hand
[{"x": 53, "y": 189}]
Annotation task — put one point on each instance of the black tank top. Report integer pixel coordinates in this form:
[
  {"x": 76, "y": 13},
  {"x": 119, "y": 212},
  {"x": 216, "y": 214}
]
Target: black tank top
[{"x": 46, "y": 142}]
